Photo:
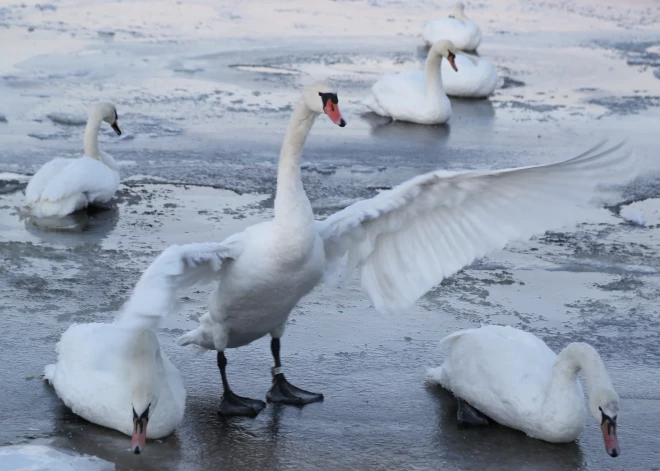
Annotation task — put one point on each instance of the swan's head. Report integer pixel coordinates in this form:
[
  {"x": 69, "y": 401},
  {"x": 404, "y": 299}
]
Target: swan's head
[
  {"x": 322, "y": 98},
  {"x": 604, "y": 406},
  {"x": 145, "y": 376},
  {"x": 447, "y": 50},
  {"x": 107, "y": 112}
]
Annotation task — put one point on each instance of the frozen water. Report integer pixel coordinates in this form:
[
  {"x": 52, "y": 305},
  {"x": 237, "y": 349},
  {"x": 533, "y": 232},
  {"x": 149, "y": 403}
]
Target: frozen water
[{"x": 199, "y": 162}]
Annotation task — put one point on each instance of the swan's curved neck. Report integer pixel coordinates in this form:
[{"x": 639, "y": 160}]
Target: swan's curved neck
[
  {"x": 292, "y": 208},
  {"x": 91, "y": 141},
  {"x": 433, "y": 75},
  {"x": 573, "y": 358}
]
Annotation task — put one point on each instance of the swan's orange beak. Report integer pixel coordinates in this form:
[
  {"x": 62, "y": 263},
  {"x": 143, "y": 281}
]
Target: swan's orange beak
[
  {"x": 608, "y": 426},
  {"x": 332, "y": 110},
  {"x": 451, "y": 57},
  {"x": 115, "y": 126},
  {"x": 139, "y": 438}
]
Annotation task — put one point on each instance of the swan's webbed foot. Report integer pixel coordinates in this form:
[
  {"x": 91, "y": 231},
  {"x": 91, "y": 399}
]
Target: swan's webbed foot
[
  {"x": 234, "y": 405},
  {"x": 468, "y": 416},
  {"x": 283, "y": 392}
]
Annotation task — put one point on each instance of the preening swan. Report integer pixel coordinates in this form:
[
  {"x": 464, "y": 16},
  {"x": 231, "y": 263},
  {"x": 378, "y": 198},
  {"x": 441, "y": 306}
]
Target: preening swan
[
  {"x": 402, "y": 242},
  {"x": 457, "y": 28},
  {"x": 63, "y": 186},
  {"x": 475, "y": 77},
  {"x": 513, "y": 377},
  {"x": 116, "y": 375},
  {"x": 415, "y": 96}
]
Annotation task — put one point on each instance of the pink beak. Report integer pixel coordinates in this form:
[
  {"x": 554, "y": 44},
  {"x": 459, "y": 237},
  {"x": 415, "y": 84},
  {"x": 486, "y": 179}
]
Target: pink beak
[
  {"x": 611, "y": 441},
  {"x": 139, "y": 439},
  {"x": 332, "y": 110}
]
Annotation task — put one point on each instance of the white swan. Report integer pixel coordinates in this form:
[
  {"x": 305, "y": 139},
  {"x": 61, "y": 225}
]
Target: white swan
[
  {"x": 515, "y": 379},
  {"x": 403, "y": 242},
  {"x": 415, "y": 96},
  {"x": 475, "y": 77},
  {"x": 116, "y": 375},
  {"x": 63, "y": 186},
  {"x": 457, "y": 28}
]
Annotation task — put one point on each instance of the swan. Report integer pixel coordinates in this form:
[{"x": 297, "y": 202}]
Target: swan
[
  {"x": 458, "y": 28},
  {"x": 403, "y": 242},
  {"x": 63, "y": 186},
  {"x": 116, "y": 375},
  {"x": 514, "y": 378},
  {"x": 413, "y": 95},
  {"x": 475, "y": 77}
]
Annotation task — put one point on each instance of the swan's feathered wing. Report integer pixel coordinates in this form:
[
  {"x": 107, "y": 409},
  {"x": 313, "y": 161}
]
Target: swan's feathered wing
[
  {"x": 62, "y": 186},
  {"x": 401, "y": 96},
  {"x": 177, "y": 267},
  {"x": 85, "y": 175},
  {"x": 43, "y": 177},
  {"x": 406, "y": 240}
]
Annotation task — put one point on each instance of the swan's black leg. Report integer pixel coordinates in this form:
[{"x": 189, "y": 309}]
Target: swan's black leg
[
  {"x": 469, "y": 416},
  {"x": 284, "y": 392},
  {"x": 232, "y": 404}
]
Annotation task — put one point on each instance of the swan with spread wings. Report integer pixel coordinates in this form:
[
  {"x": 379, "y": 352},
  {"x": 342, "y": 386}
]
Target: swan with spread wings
[{"x": 402, "y": 242}]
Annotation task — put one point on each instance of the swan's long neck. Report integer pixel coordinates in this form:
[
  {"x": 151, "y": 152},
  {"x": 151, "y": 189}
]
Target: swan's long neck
[
  {"x": 293, "y": 212},
  {"x": 433, "y": 76},
  {"x": 91, "y": 141},
  {"x": 573, "y": 358}
]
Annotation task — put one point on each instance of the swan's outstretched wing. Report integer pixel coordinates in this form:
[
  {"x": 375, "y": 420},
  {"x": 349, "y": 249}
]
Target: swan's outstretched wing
[
  {"x": 177, "y": 267},
  {"x": 406, "y": 240}
]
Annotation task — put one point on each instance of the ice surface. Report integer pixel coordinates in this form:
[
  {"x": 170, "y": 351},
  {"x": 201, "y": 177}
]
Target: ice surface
[{"x": 42, "y": 458}]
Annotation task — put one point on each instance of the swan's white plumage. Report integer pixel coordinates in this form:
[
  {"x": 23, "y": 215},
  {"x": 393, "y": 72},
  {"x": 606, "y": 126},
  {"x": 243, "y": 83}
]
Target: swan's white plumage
[
  {"x": 514, "y": 378},
  {"x": 406, "y": 240},
  {"x": 463, "y": 32},
  {"x": 403, "y": 97},
  {"x": 402, "y": 242},
  {"x": 414, "y": 96},
  {"x": 475, "y": 78},
  {"x": 95, "y": 361},
  {"x": 91, "y": 376},
  {"x": 63, "y": 186}
]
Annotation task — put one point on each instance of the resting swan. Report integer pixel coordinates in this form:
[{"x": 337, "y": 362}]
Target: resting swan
[
  {"x": 415, "y": 96},
  {"x": 116, "y": 375},
  {"x": 513, "y": 377},
  {"x": 403, "y": 242},
  {"x": 475, "y": 77},
  {"x": 63, "y": 186},
  {"x": 457, "y": 28}
]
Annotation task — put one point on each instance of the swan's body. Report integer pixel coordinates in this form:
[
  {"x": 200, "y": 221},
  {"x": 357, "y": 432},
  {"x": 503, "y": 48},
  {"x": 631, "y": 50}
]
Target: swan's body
[
  {"x": 63, "y": 186},
  {"x": 514, "y": 378},
  {"x": 475, "y": 78},
  {"x": 105, "y": 370},
  {"x": 403, "y": 242},
  {"x": 457, "y": 28},
  {"x": 415, "y": 96}
]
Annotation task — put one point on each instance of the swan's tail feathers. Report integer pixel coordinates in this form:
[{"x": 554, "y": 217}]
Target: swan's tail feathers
[
  {"x": 434, "y": 375},
  {"x": 451, "y": 338},
  {"x": 199, "y": 351},
  {"x": 194, "y": 337},
  {"x": 49, "y": 372}
]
